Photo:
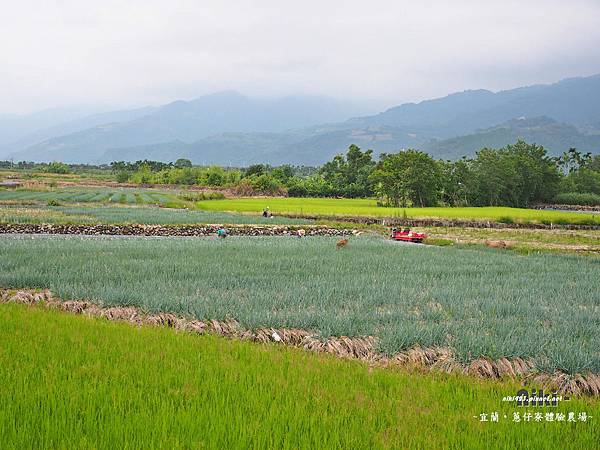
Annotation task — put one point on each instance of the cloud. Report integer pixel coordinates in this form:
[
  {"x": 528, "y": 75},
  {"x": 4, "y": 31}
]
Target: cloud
[{"x": 137, "y": 52}]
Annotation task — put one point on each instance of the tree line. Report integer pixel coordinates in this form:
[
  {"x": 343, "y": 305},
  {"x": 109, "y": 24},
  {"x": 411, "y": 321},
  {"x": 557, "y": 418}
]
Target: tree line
[{"x": 517, "y": 175}]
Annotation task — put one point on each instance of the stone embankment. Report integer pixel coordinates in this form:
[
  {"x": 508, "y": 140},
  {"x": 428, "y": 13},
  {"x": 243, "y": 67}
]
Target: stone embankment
[
  {"x": 173, "y": 230},
  {"x": 578, "y": 208}
]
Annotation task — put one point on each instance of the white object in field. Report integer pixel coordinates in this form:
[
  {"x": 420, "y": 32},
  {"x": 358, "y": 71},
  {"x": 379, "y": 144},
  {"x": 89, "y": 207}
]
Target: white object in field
[{"x": 276, "y": 337}]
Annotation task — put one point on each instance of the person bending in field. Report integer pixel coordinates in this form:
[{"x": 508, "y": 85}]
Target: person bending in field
[
  {"x": 266, "y": 212},
  {"x": 222, "y": 233}
]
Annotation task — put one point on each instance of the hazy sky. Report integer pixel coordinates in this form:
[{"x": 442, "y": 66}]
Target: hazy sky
[{"x": 126, "y": 53}]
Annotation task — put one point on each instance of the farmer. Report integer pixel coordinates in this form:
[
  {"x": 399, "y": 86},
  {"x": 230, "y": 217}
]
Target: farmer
[
  {"x": 222, "y": 233},
  {"x": 266, "y": 212}
]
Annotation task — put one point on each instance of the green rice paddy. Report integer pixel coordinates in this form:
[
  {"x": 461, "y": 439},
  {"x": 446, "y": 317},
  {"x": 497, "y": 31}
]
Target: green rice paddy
[
  {"x": 75, "y": 382},
  {"x": 295, "y": 206},
  {"x": 369, "y": 208}
]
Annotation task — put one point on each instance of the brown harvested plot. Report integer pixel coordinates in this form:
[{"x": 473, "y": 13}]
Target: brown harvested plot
[{"x": 577, "y": 241}]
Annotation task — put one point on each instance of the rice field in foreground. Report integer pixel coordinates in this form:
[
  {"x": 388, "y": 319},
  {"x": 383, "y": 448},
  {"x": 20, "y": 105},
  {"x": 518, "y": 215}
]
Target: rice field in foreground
[
  {"x": 75, "y": 382},
  {"x": 130, "y": 215},
  {"x": 369, "y": 208},
  {"x": 479, "y": 302}
]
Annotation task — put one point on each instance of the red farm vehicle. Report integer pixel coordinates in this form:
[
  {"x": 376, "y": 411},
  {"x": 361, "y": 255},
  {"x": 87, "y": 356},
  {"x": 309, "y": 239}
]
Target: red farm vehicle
[{"x": 407, "y": 235}]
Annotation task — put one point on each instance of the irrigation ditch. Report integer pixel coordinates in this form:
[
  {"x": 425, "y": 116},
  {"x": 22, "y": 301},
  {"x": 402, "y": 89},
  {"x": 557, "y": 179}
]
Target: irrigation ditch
[{"x": 361, "y": 348}]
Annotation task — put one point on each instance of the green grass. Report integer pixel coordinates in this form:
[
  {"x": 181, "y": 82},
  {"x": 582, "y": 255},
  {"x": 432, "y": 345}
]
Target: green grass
[
  {"x": 479, "y": 302},
  {"x": 75, "y": 382},
  {"x": 366, "y": 207},
  {"x": 566, "y": 237},
  {"x": 131, "y": 215}
]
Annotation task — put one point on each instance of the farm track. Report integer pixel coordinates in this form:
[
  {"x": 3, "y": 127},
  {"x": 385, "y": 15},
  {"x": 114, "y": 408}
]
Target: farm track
[
  {"x": 508, "y": 243},
  {"x": 362, "y": 348},
  {"x": 172, "y": 230},
  {"x": 402, "y": 222}
]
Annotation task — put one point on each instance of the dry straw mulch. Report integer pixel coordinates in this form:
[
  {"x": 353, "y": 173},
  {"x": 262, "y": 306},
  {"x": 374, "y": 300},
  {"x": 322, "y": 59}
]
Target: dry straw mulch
[{"x": 363, "y": 348}]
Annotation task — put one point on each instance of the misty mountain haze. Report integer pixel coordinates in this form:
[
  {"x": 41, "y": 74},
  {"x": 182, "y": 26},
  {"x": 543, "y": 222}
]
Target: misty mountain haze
[
  {"x": 180, "y": 120},
  {"x": 231, "y": 129}
]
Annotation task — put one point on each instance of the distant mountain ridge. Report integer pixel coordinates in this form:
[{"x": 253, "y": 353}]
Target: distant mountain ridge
[
  {"x": 189, "y": 121},
  {"x": 228, "y": 128},
  {"x": 575, "y": 101},
  {"x": 555, "y": 136}
]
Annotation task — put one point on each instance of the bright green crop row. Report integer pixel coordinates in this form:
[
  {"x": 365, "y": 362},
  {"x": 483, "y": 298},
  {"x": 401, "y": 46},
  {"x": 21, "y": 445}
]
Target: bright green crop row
[
  {"x": 479, "y": 302},
  {"x": 301, "y": 206},
  {"x": 366, "y": 207},
  {"x": 74, "y": 382}
]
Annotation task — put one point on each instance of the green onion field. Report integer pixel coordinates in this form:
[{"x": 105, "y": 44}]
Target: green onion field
[{"x": 478, "y": 302}]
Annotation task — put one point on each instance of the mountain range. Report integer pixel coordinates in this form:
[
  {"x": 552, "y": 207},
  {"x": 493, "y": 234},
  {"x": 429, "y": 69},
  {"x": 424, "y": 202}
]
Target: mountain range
[{"x": 228, "y": 128}]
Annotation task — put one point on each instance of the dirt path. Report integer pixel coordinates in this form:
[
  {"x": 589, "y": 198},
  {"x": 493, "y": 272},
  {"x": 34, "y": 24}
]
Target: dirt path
[{"x": 577, "y": 248}]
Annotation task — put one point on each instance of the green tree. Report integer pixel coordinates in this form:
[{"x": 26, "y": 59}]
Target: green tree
[
  {"x": 143, "y": 175},
  {"x": 407, "y": 177},
  {"x": 123, "y": 176},
  {"x": 573, "y": 160},
  {"x": 267, "y": 184},
  {"x": 348, "y": 175},
  {"x": 595, "y": 163},
  {"x": 58, "y": 167},
  {"x": 215, "y": 176},
  {"x": 283, "y": 173},
  {"x": 537, "y": 178},
  {"x": 583, "y": 180},
  {"x": 455, "y": 181},
  {"x": 255, "y": 170},
  {"x": 516, "y": 175},
  {"x": 182, "y": 162}
]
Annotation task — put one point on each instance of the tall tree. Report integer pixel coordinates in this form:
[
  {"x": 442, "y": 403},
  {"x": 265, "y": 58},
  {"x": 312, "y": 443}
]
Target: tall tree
[
  {"x": 407, "y": 177},
  {"x": 516, "y": 175},
  {"x": 349, "y": 176}
]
